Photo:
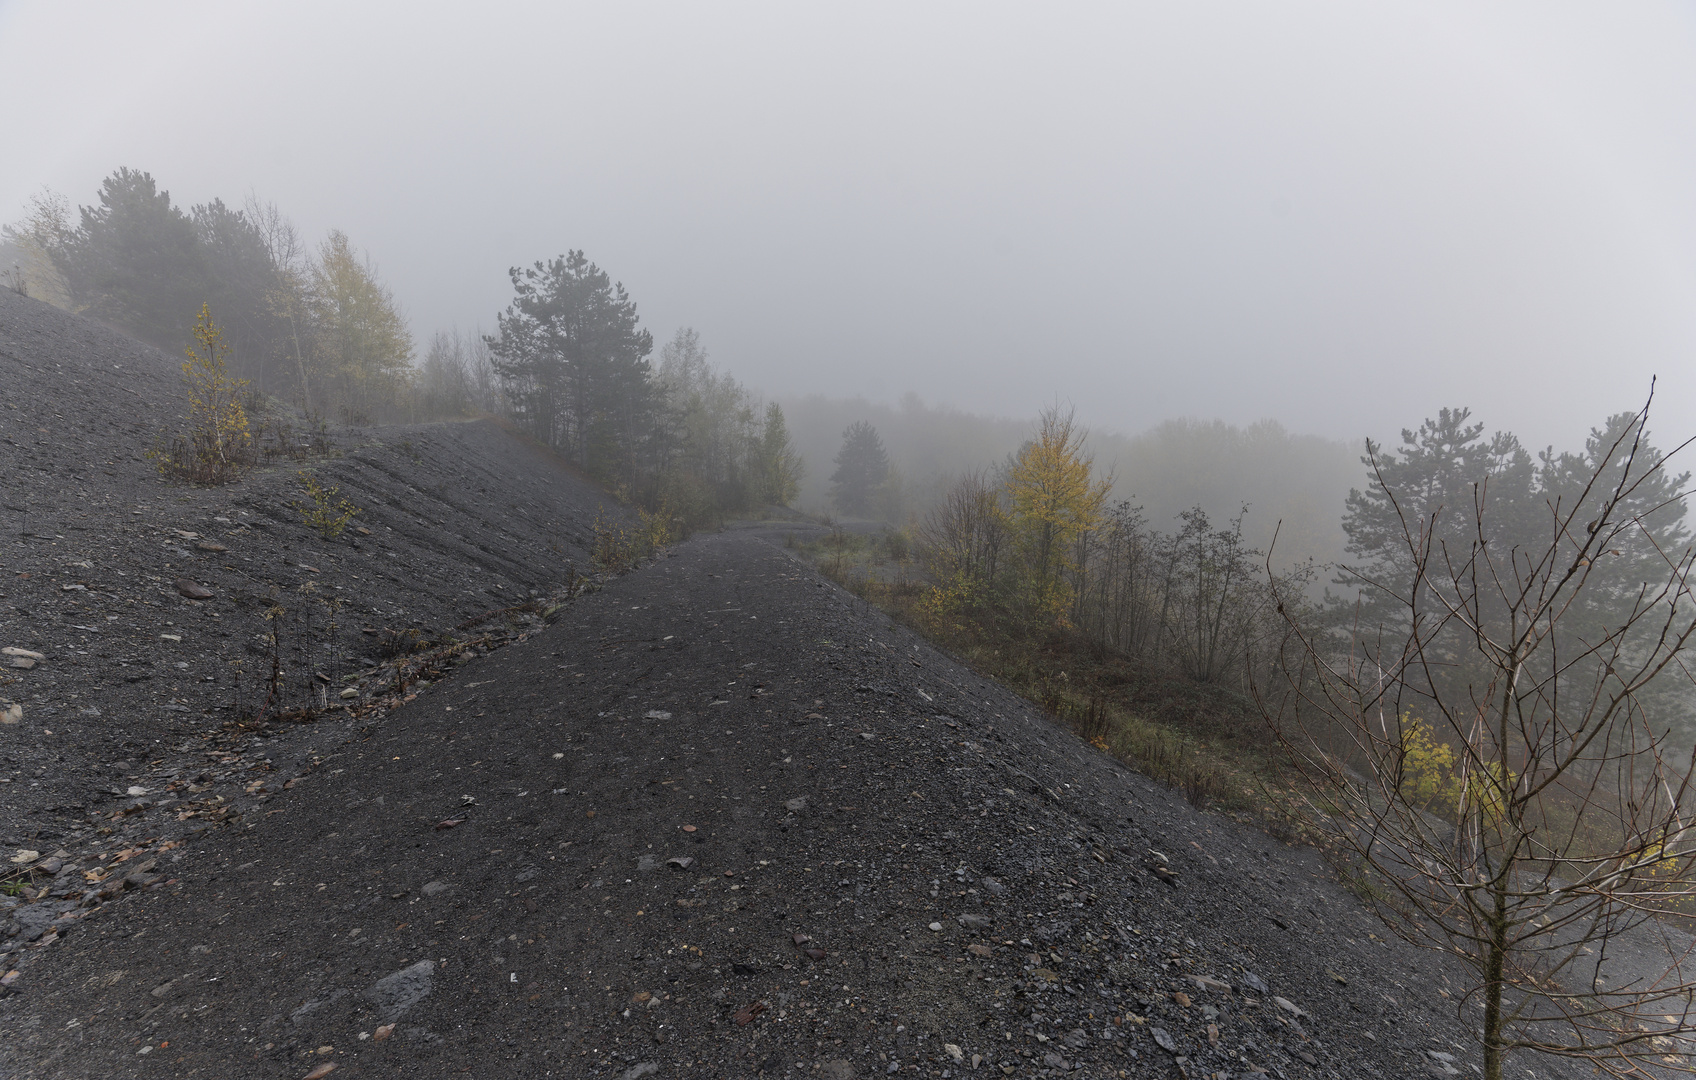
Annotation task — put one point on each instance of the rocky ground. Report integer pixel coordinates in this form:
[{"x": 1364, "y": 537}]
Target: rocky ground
[{"x": 714, "y": 818}]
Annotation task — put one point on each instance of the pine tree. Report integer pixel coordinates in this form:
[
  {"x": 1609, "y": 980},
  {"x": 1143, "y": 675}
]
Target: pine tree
[
  {"x": 862, "y": 466},
  {"x": 136, "y": 260},
  {"x": 575, "y": 361}
]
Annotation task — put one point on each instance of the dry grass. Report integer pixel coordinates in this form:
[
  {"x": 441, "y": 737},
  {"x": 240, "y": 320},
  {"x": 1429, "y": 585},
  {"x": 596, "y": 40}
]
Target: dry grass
[{"x": 1205, "y": 741}]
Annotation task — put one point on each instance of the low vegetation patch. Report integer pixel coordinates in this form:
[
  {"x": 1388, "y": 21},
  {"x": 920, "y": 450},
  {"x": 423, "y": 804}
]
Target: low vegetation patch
[
  {"x": 1205, "y": 741},
  {"x": 324, "y": 510}
]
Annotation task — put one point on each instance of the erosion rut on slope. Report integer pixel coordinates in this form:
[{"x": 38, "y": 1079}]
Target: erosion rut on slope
[{"x": 707, "y": 822}]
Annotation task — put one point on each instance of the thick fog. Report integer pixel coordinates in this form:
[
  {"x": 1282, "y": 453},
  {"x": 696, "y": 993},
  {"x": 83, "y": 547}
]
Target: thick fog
[{"x": 1339, "y": 215}]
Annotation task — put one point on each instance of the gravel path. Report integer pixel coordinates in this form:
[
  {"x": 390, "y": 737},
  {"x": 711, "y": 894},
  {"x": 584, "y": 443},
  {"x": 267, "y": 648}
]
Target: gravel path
[{"x": 719, "y": 820}]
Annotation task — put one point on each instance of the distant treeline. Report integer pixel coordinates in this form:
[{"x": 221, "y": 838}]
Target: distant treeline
[
  {"x": 1292, "y": 483},
  {"x": 1040, "y": 542}
]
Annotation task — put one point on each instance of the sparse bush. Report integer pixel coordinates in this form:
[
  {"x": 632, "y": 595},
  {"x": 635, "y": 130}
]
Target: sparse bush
[
  {"x": 392, "y": 644},
  {"x": 1428, "y": 769},
  {"x": 217, "y": 444},
  {"x": 896, "y": 543},
  {"x": 618, "y": 549},
  {"x": 325, "y": 512}
]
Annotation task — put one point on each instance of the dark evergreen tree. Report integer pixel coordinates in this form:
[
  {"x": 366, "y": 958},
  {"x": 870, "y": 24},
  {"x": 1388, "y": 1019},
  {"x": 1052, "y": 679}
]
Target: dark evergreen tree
[
  {"x": 1435, "y": 486},
  {"x": 136, "y": 260},
  {"x": 575, "y": 362},
  {"x": 241, "y": 277},
  {"x": 1617, "y": 456},
  {"x": 862, "y": 466}
]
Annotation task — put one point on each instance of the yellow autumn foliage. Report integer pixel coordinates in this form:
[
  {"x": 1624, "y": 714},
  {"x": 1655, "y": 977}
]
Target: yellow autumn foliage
[
  {"x": 1054, "y": 501},
  {"x": 1428, "y": 779}
]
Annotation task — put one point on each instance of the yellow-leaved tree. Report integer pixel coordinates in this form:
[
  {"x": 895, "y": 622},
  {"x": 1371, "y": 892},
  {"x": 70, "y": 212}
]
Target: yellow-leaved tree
[
  {"x": 362, "y": 348},
  {"x": 1056, "y": 502}
]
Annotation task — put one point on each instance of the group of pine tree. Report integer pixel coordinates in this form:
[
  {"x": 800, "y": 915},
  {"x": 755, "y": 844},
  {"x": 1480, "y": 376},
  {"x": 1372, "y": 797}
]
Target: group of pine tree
[{"x": 315, "y": 327}]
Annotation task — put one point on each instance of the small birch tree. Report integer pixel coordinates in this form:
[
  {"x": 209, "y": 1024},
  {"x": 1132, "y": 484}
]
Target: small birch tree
[{"x": 217, "y": 443}]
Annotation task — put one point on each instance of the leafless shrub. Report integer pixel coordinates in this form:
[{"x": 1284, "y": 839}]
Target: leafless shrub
[{"x": 1562, "y": 837}]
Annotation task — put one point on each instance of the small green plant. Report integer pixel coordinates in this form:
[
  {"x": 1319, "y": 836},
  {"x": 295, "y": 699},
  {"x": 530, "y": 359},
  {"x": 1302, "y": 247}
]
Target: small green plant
[{"x": 325, "y": 512}]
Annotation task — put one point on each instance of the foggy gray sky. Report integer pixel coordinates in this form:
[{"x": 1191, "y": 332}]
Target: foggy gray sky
[{"x": 1340, "y": 215}]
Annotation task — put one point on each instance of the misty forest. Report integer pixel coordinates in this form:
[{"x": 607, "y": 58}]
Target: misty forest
[{"x": 548, "y": 677}]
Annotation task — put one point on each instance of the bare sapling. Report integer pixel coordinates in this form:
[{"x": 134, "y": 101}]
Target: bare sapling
[{"x": 1495, "y": 752}]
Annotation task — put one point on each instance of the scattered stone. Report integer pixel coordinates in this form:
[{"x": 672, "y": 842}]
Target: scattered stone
[
  {"x": 394, "y": 994},
  {"x": 837, "y": 1069},
  {"x": 135, "y": 790},
  {"x": 1255, "y": 983},
  {"x": 433, "y": 888},
  {"x": 1289, "y": 1006},
  {"x": 680, "y": 862},
  {"x": 954, "y": 1051},
  {"x": 349, "y": 694},
  {"x": 656, "y": 714},
  {"x": 89, "y": 711},
  {"x": 974, "y": 922},
  {"x": 192, "y": 590},
  {"x": 1164, "y": 1040},
  {"x": 796, "y": 805},
  {"x": 11, "y": 713},
  {"x": 1056, "y": 1062},
  {"x": 382, "y": 1033},
  {"x": 33, "y": 920},
  {"x": 636, "y": 1072},
  {"x": 25, "y": 856},
  {"x": 980, "y": 950},
  {"x": 935, "y": 926},
  {"x": 207, "y": 545},
  {"x": 22, "y": 659}
]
